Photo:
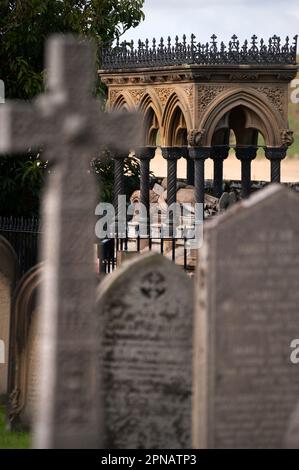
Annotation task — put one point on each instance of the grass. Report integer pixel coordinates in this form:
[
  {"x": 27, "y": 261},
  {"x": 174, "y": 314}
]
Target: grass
[{"x": 12, "y": 440}]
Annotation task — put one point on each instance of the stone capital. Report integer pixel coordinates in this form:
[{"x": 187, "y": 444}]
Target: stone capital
[
  {"x": 172, "y": 153},
  {"x": 220, "y": 152},
  {"x": 275, "y": 153},
  {"x": 200, "y": 153},
  {"x": 246, "y": 153},
  {"x": 145, "y": 153}
]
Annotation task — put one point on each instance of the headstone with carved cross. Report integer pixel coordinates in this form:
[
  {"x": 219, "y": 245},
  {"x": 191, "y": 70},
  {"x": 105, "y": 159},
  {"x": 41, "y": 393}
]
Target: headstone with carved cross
[
  {"x": 147, "y": 310},
  {"x": 68, "y": 124}
]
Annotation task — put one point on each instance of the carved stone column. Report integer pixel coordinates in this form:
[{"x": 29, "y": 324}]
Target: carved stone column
[
  {"x": 190, "y": 166},
  {"x": 145, "y": 154},
  {"x": 119, "y": 187},
  {"x": 246, "y": 155},
  {"x": 171, "y": 154},
  {"x": 275, "y": 155},
  {"x": 119, "y": 183},
  {"x": 219, "y": 155},
  {"x": 199, "y": 155}
]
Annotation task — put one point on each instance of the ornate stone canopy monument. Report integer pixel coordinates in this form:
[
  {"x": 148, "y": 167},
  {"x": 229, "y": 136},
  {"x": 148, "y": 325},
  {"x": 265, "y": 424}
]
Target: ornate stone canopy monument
[{"x": 191, "y": 95}]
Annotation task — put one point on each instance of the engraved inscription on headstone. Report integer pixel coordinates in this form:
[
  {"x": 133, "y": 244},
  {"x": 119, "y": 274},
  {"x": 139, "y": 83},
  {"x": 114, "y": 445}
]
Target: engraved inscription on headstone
[
  {"x": 8, "y": 275},
  {"x": 146, "y": 308},
  {"x": 68, "y": 124},
  {"x": 246, "y": 316},
  {"x": 25, "y": 353}
]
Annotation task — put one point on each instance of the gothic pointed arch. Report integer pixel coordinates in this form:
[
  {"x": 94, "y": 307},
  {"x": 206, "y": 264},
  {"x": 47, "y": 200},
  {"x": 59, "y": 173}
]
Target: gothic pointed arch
[
  {"x": 177, "y": 131},
  {"x": 151, "y": 112},
  {"x": 122, "y": 101},
  {"x": 177, "y": 120},
  {"x": 247, "y": 112}
]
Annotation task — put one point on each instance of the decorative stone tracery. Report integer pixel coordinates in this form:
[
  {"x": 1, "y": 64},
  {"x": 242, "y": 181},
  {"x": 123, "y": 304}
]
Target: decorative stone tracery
[
  {"x": 164, "y": 94},
  {"x": 137, "y": 95},
  {"x": 206, "y": 94},
  {"x": 276, "y": 96},
  {"x": 113, "y": 95}
]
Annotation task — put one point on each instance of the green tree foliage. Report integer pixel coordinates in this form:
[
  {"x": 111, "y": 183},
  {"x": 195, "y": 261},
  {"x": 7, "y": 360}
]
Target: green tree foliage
[
  {"x": 21, "y": 182},
  {"x": 24, "y": 27},
  {"x": 104, "y": 171},
  {"x": 25, "y": 24}
]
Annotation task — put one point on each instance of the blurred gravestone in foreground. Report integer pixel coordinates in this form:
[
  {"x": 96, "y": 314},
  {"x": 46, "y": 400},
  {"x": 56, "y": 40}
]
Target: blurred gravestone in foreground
[{"x": 66, "y": 121}]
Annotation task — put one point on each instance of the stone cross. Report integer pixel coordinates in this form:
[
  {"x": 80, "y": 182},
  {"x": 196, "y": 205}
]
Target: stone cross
[{"x": 68, "y": 124}]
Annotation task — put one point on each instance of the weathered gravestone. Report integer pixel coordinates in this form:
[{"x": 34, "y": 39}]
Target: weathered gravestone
[
  {"x": 247, "y": 313},
  {"x": 67, "y": 123},
  {"x": 291, "y": 440},
  {"x": 25, "y": 351},
  {"x": 8, "y": 275},
  {"x": 146, "y": 307}
]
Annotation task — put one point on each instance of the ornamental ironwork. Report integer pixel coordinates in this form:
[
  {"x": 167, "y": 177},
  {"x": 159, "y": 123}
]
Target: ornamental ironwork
[{"x": 256, "y": 52}]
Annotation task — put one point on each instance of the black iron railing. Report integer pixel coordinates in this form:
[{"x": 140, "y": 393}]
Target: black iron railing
[
  {"x": 23, "y": 234},
  {"x": 163, "y": 53},
  {"x": 110, "y": 249}
]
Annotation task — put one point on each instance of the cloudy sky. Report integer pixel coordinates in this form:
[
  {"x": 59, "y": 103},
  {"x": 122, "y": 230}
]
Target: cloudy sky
[{"x": 222, "y": 17}]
